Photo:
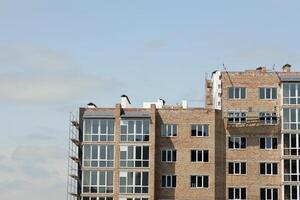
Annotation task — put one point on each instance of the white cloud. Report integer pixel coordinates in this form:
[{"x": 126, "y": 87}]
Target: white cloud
[
  {"x": 33, "y": 171},
  {"x": 52, "y": 87},
  {"x": 28, "y": 56},
  {"x": 39, "y": 74}
]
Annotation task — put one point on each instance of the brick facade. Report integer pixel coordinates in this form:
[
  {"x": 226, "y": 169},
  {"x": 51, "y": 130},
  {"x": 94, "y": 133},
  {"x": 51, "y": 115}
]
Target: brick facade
[{"x": 222, "y": 128}]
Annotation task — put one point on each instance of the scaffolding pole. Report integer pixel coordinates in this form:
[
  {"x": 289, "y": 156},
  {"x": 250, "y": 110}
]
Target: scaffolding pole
[{"x": 73, "y": 181}]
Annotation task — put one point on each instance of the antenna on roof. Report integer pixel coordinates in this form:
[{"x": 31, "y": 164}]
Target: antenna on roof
[{"x": 224, "y": 67}]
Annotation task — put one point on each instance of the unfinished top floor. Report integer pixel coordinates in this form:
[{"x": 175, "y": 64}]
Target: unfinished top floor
[{"x": 259, "y": 88}]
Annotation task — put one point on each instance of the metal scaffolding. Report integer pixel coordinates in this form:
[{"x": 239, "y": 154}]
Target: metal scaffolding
[{"x": 73, "y": 182}]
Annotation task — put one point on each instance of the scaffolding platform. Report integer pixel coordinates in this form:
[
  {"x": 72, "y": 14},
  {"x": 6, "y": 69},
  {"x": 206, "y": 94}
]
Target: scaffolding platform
[
  {"x": 75, "y": 141},
  {"x": 73, "y": 180}
]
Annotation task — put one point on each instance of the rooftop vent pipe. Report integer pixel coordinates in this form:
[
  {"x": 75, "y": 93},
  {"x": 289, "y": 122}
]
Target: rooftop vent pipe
[
  {"x": 286, "y": 68},
  {"x": 261, "y": 69},
  {"x": 125, "y": 102},
  {"x": 91, "y": 105}
]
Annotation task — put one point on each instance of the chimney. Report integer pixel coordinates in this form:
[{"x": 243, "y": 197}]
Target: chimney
[
  {"x": 125, "y": 103},
  {"x": 286, "y": 68},
  {"x": 91, "y": 105},
  {"x": 184, "y": 104},
  {"x": 160, "y": 103},
  {"x": 261, "y": 69}
]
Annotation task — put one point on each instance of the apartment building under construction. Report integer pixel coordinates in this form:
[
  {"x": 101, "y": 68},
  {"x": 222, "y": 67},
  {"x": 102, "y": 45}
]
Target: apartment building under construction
[{"x": 243, "y": 144}]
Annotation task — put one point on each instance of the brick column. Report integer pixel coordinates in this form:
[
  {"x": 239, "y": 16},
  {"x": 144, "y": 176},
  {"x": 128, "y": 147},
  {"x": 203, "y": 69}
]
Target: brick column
[{"x": 117, "y": 150}]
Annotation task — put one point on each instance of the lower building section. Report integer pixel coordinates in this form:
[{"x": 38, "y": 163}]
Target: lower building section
[
  {"x": 291, "y": 165},
  {"x": 184, "y": 154}
]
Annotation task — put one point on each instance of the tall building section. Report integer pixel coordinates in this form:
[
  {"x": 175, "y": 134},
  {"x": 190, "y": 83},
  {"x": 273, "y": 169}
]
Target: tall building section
[
  {"x": 290, "y": 89},
  {"x": 244, "y": 144},
  {"x": 251, "y": 113}
]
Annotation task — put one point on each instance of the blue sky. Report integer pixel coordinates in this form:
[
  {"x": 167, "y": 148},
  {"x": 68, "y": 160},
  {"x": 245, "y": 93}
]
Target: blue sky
[{"x": 58, "y": 55}]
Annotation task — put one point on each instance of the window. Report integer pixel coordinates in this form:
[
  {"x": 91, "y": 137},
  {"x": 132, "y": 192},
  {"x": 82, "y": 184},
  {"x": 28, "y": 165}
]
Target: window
[
  {"x": 237, "y": 93},
  {"x": 199, "y": 155},
  {"x": 135, "y": 130},
  {"x": 199, "y": 181},
  {"x": 97, "y": 182},
  {"x": 134, "y": 182},
  {"x": 291, "y": 192},
  {"x": 236, "y": 117},
  {"x": 267, "y": 168},
  {"x": 134, "y": 156},
  {"x": 268, "y": 143},
  {"x": 291, "y": 93},
  {"x": 237, "y": 168},
  {"x": 291, "y": 144},
  {"x": 169, "y": 130},
  {"x": 97, "y": 198},
  {"x": 199, "y": 130},
  {"x": 291, "y": 170},
  {"x": 291, "y": 119},
  {"x": 168, "y": 155},
  {"x": 267, "y": 118},
  {"x": 268, "y": 194},
  {"x": 98, "y": 130},
  {"x": 268, "y": 93},
  {"x": 237, "y": 193},
  {"x": 237, "y": 142},
  {"x": 98, "y": 155},
  {"x": 168, "y": 181}
]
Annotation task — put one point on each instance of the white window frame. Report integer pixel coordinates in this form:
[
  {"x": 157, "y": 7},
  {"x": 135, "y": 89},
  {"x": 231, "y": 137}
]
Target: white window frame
[
  {"x": 239, "y": 93},
  {"x": 235, "y": 191},
  {"x": 263, "y": 118},
  {"x": 297, "y": 191},
  {"x": 236, "y": 117},
  {"x": 197, "y": 154},
  {"x": 166, "y": 152},
  {"x": 196, "y": 185},
  {"x": 169, "y": 130},
  {"x": 271, "y": 164},
  {"x": 266, "y": 189},
  {"x": 134, "y": 160},
  {"x": 289, "y": 148},
  {"x": 266, "y": 142},
  {"x": 87, "y": 162},
  {"x": 134, "y": 185},
  {"x": 288, "y": 125},
  {"x": 265, "y": 93},
  {"x": 291, "y": 174},
  {"x": 239, "y": 170},
  {"x": 287, "y": 99},
  {"x": 171, "y": 176},
  {"x": 239, "y": 139},
  {"x": 108, "y": 135},
  {"x": 145, "y": 136},
  {"x": 108, "y": 188},
  {"x": 97, "y": 198},
  {"x": 200, "y": 128}
]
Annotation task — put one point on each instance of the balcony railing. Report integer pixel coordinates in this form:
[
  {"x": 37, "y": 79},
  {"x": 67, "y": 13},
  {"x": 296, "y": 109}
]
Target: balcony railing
[{"x": 250, "y": 122}]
